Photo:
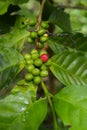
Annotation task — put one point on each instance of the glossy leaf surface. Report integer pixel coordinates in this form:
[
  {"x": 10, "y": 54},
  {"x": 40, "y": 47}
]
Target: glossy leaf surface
[
  {"x": 13, "y": 38},
  {"x": 70, "y": 67},
  {"x": 71, "y": 106},
  {"x": 61, "y": 19},
  {"x": 64, "y": 41},
  {"x": 11, "y": 62},
  {"x": 18, "y": 112}
]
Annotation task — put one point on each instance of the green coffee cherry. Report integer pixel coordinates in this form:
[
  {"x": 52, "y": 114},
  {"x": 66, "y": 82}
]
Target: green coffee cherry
[
  {"x": 43, "y": 39},
  {"x": 33, "y": 35},
  {"x": 38, "y": 62},
  {"x": 48, "y": 63},
  {"x": 34, "y": 51},
  {"x": 43, "y": 67},
  {"x": 30, "y": 68},
  {"x": 28, "y": 77},
  {"x": 27, "y": 56},
  {"x": 34, "y": 56},
  {"x": 44, "y": 24},
  {"x": 29, "y": 61},
  {"x": 41, "y": 32},
  {"x": 32, "y": 22},
  {"x": 37, "y": 79},
  {"x": 43, "y": 52},
  {"x": 35, "y": 71},
  {"x": 29, "y": 40},
  {"x": 40, "y": 45},
  {"x": 44, "y": 73}
]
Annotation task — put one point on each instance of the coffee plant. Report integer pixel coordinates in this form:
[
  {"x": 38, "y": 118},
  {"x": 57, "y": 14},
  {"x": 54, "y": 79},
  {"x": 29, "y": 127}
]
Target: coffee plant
[{"x": 43, "y": 65}]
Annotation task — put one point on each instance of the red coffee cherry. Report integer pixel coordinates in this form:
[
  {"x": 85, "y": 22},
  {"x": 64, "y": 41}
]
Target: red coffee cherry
[{"x": 44, "y": 57}]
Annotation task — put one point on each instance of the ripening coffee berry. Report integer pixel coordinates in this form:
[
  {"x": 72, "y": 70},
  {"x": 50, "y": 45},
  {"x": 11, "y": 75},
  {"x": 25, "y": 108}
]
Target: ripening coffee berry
[
  {"x": 37, "y": 79},
  {"x": 36, "y": 71},
  {"x": 33, "y": 35},
  {"x": 43, "y": 39},
  {"x": 44, "y": 73},
  {"x": 44, "y": 24},
  {"x": 46, "y": 35},
  {"x": 30, "y": 68},
  {"x": 38, "y": 62},
  {"x": 28, "y": 77},
  {"x": 44, "y": 57}
]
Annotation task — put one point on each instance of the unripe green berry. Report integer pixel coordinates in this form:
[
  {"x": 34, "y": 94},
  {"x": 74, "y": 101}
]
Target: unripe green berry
[
  {"x": 43, "y": 39},
  {"x": 36, "y": 71},
  {"x": 41, "y": 32},
  {"x": 30, "y": 68},
  {"x": 44, "y": 24},
  {"x": 48, "y": 63},
  {"x": 44, "y": 73},
  {"x": 34, "y": 51},
  {"x": 28, "y": 77},
  {"x": 27, "y": 56},
  {"x": 38, "y": 62},
  {"x": 29, "y": 40},
  {"x": 40, "y": 45},
  {"x": 32, "y": 22},
  {"x": 34, "y": 56},
  {"x": 43, "y": 67},
  {"x": 29, "y": 61},
  {"x": 43, "y": 52},
  {"x": 33, "y": 35},
  {"x": 37, "y": 79}
]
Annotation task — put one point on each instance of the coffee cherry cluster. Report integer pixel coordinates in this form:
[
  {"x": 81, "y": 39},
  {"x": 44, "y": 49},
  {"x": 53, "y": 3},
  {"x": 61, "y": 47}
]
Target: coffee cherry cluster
[
  {"x": 36, "y": 65},
  {"x": 41, "y": 35}
]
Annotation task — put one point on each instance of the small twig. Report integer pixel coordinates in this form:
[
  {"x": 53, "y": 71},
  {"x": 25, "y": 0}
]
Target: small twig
[
  {"x": 57, "y": 34},
  {"x": 63, "y": 35},
  {"x": 40, "y": 15},
  {"x": 79, "y": 7},
  {"x": 51, "y": 105},
  {"x": 39, "y": 20}
]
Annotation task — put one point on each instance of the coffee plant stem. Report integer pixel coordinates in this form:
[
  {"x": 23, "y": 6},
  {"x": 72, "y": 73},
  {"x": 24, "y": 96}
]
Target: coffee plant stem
[
  {"x": 39, "y": 20},
  {"x": 48, "y": 95},
  {"x": 79, "y": 7},
  {"x": 40, "y": 15}
]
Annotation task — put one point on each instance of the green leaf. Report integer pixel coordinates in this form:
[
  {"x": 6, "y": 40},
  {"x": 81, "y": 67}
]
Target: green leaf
[
  {"x": 70, "y": 67},
  {"x": 47, "y": 10},
  {"x": 61, "y": 19},
  {"x": 11, "y": 62},
  {"x": 71, "y": 106},
  {"x": 80, "y": 41},
  {"x": 65, "y": 40},
  {"x": 18, "y": 112},
  {"x": 3, "y": 7},
  {"x": 23, "y": 86},
  {"x": 19, "y": 1},
  {"x": 26, "y": 13},
  {"x": 13, "y": 38},
  {"x": 55, "y": 46}
]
